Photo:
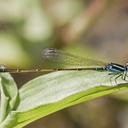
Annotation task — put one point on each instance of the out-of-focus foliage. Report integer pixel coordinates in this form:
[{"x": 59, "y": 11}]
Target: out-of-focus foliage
[
  {"x": 11, "y": 50},
  {"x": 35, "y": 25}
]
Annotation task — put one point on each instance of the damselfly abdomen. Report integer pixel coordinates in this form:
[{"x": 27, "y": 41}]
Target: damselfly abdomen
[{"x": 67, "y": 61}]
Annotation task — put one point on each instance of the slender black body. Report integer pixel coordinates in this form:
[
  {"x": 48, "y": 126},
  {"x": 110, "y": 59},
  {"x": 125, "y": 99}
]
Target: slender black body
[{"x": 74, "y": 63}]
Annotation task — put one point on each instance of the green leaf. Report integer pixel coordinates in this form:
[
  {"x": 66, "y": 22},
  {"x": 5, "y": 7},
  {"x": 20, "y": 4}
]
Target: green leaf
[
  {"x": 9, "y": 95},
  {"x": 55, "y": 91}
]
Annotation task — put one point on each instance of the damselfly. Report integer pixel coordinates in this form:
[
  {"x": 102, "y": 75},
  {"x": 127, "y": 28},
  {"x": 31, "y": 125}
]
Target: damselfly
[{"x": 72, "y": 62}]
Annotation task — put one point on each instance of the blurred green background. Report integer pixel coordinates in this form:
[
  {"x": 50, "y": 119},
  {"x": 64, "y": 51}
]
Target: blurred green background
[{"x": 89, "y": 28}]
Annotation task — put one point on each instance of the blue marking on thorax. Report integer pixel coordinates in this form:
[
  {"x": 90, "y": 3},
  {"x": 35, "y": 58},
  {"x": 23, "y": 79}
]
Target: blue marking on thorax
[{"x": 112, "y": 67}]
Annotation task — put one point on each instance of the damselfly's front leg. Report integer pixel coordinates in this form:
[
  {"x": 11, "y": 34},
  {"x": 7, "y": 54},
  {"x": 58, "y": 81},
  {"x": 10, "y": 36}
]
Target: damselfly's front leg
[
  {"x": 125, "y": 74},
  {"x": 115, "y": 76}
]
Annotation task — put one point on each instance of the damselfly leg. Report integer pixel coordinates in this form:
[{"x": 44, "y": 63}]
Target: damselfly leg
[{"x": 125, "y": 75}]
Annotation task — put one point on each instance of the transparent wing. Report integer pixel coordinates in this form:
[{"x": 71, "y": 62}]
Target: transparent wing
[{"x": 63, "y": 59}]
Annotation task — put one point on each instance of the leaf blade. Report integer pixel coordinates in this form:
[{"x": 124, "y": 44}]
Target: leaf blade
[
  {"x": 9, "y": 95},
  {"x": 58, "y": 90}
]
